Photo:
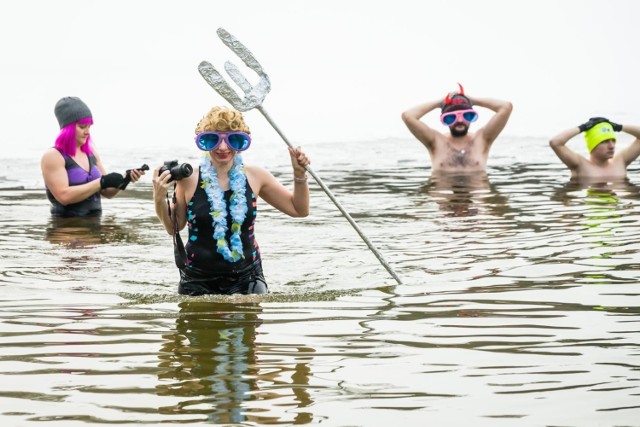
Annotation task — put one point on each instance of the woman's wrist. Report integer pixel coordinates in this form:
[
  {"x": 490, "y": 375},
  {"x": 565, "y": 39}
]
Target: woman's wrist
[{"x": 300, "y": 179}]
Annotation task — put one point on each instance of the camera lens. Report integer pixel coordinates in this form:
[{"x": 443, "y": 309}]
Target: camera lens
[{"x": 181, "y": 171}]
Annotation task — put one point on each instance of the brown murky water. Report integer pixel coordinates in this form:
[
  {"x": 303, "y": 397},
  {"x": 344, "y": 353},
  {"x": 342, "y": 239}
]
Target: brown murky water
[{"x": 520, "y": 304}]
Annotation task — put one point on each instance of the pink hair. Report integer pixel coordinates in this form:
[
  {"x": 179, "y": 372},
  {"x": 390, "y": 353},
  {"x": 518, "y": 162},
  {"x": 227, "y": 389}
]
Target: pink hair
[{"x": 66, "y": 140}]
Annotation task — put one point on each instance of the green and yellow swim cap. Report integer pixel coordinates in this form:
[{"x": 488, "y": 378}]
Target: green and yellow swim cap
[{"x": 600, "y": 132}]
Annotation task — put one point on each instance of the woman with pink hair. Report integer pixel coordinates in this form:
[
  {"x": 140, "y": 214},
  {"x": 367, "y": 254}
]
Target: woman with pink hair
[{"x": 73, "y": 173}]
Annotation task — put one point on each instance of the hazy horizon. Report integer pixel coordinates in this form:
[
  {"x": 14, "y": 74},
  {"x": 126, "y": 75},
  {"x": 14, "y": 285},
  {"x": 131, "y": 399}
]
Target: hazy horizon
[{"x": 340, "y": 71}]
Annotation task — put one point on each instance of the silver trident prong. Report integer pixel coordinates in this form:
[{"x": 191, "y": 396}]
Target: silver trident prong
[{"x": 254, "y": 95}]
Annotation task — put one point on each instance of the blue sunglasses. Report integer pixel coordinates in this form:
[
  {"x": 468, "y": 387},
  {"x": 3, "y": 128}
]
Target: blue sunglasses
[{"x": 238, "y": 141}]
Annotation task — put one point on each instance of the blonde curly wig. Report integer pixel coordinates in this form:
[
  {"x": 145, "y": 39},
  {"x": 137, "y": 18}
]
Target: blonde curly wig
[{"x": 221, "y": 119}]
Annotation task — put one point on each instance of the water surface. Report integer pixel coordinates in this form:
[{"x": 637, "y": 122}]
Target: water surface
[{"x": 519, "y": 304}]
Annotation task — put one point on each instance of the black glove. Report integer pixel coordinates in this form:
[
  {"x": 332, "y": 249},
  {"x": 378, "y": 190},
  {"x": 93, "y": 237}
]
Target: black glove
[
  {"x": 126, "y": 180},
  {"x": 591, "y": 123},
  {"x": 111, "y": 180},
  {"x": 616, "y": 127},
  {"x": 127, "y": 176}
]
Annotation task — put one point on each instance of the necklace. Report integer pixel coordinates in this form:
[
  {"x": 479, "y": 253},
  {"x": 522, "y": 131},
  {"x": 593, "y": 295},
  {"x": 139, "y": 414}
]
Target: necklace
[{"x": 237, "y": 209}]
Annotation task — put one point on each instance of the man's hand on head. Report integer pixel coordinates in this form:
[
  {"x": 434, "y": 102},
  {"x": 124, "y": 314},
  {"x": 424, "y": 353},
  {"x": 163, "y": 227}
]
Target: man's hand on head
[{"x": 591, "y": 123}]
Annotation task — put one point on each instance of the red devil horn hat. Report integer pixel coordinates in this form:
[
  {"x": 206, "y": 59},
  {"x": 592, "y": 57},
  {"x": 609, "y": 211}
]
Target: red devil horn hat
[{"x": 447, "y": 100}]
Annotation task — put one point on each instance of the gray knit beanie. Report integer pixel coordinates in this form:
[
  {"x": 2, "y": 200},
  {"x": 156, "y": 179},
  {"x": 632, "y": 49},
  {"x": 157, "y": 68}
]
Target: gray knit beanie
[{"x": 70, "y": 109}]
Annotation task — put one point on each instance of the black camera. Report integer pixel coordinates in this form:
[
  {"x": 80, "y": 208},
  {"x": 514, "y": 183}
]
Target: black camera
[
  {"x": 127, "y": 176},
  {"x": 177, "y": 171}
]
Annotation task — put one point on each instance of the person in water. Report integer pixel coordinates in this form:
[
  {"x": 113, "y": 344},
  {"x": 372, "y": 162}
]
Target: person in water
[
  {"x": 219, "y": 206},
  {"x": 459, "y": 150},
  {"x": 74, "y": 176},
  {"x": 603, "y": 161}
]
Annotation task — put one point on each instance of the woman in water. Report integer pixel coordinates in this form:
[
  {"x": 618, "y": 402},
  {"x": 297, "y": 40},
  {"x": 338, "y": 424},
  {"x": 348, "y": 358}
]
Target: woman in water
[
  {"x": 73, "y": 173},
  {"x": 219, "y": 205}
]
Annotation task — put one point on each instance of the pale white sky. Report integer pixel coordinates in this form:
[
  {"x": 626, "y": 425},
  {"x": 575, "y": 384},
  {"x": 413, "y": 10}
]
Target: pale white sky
[{"x": 340, "y": 70}]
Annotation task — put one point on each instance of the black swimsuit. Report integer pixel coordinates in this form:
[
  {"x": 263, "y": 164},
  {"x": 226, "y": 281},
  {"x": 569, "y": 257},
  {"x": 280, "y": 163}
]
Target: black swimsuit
[
  {"x": 92, "y": 205},
  {"x": 207, "y": 272}
]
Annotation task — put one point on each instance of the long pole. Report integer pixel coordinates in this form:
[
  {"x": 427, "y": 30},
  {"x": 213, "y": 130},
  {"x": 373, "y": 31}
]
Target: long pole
[{"x": 335, "y": 201}]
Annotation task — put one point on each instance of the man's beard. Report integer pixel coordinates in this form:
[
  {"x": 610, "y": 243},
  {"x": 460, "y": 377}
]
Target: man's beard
[{"x": 458, "y": 133}]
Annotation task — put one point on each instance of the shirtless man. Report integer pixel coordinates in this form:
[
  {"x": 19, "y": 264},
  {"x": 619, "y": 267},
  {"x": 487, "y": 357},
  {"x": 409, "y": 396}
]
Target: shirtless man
[
  {"x": 459, "y": 151},
  {"x": 603, "y": 161}
]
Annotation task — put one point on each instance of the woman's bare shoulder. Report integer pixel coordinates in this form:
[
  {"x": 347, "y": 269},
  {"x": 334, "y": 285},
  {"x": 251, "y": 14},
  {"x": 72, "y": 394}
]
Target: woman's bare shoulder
[{"x": 52, "y": 155}]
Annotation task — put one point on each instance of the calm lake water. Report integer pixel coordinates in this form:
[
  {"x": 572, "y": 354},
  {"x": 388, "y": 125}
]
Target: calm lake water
[{"x": 520, "y": 304}]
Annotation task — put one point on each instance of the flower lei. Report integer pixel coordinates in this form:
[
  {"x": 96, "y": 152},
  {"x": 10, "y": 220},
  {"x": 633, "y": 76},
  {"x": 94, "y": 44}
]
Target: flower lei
[{"x": 238, "y": 208}]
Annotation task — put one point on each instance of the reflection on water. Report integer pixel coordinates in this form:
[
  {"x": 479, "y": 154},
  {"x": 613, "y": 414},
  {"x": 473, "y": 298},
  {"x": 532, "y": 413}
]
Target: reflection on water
[
  {"x": 602, "y": 213},
  {"x": 85, "y": 232},
  {"x": 211, "y": 354},
  {"x": 607, "y": 221},
  {"x": 460, "y": 195},
  {"x": 596, "y": 191},
  {"x": 520, "y": 305},
  {"x": 211, "y": 362},
  {"x": 605, "y": 205}
]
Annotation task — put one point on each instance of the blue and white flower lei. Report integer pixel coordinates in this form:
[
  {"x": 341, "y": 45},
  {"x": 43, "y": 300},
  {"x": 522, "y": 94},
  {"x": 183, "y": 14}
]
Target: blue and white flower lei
[{"x": 238, "y": 208}]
